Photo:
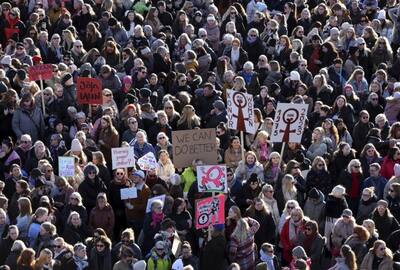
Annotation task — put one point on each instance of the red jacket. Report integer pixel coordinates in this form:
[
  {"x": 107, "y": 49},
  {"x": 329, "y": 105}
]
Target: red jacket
[
  {"x": 286, "y": 243},
  {"x": 387, "y": 168}
]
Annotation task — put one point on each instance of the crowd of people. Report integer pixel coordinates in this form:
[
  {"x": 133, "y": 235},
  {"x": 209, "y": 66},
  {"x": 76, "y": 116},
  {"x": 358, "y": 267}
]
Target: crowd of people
[{"x": 329, "y": 202}]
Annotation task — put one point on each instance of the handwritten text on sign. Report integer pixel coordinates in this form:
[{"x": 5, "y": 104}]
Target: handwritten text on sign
[
  {"x": 40, "y": 72},
  {"x": 189, "y": 145},
  {"x": 66, "y": 166},
  {"x": 289, "y": 122},
  {"x": 122, "y": 157},
  {"x": 240, "y": 110},
  {"x": 89, "y": 91}
]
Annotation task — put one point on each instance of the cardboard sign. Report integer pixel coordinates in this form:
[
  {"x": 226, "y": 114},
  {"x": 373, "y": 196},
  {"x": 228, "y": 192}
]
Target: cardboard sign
[
  {"x": 212, "y": 178},
  {"x": 128, "y": 193},
  {"x": 151, "y": 200},
  {"x": 240, "y": 110},
  {"x": 40, "y": 72},
  {"x": 122, "y": 157},
  {"x": 210, "y": 211},
  {"x": 89, "y": 91},
  {"x": 189, "y": 145},
  {"x": 289, "y": 122},
  {"x": 66, "y": 166},
  {"x": 148, "y": 162}
]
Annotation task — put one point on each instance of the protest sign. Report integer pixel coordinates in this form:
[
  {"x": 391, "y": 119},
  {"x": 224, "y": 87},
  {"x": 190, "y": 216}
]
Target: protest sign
[
  {"x": 240, "y": 110},
  {"x": 40, "y": 72},
  {"x": 148, "y": 162},
  {"x": 151, "y": 200},
  {"x": 189, "y": 145},
  {"x": 66, "y": 166},
  {"x": 210, "y": 211},
  {"x": 122, "y": 157},
  {"x": 212, "y": 178},
  {"x": 289, "y": 122},
  {"x": 128, "y": 193},
  {"x": 89, "y": 91}
]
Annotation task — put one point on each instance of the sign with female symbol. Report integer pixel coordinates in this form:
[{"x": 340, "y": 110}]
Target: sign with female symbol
[
  {"x": 240, "y": 109},
  {"x": 212, "y": 178},
  {"x": 289, "y": 122}
]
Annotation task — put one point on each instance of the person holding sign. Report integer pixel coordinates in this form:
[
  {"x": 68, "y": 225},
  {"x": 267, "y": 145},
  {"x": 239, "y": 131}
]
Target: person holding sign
[
  {"x": 152, "y": 224},
  {"x": 135, "y": 208}
]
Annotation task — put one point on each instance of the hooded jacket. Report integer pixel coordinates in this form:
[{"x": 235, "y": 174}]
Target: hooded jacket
[{"x": 315, "y": 210}]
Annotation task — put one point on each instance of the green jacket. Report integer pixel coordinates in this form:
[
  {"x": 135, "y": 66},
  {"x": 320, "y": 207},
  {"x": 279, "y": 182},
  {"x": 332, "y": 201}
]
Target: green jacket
[
  {"x": 188, "y": 177},
  {"x": 156, "y": 263}
]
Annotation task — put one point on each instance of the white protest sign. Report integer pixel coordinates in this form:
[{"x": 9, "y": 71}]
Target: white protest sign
[
  {"x": 128, "y": 193},
  {"x": 289, "y": 122},
  {"x": 122, "y": 157},
  {"x": 148, "y": 162},
  {"x": 151, "y": 200},
  {"x": 212, "y": 178},
  {"x": 240, "y": 109},
  {"x": 66, "y": 166}
]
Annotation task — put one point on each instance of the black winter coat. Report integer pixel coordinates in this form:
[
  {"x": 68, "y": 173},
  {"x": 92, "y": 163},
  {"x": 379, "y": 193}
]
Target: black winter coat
[
  {"x": 89, "y": 190},
  {"x": 334, "y": 206},
  {"x": 73, "y": 235},
  {"x": 319, "y": 179}
]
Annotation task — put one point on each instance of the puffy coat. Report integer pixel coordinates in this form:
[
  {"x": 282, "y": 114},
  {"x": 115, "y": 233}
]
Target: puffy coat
[
  {"x": 315, "y": 210},
  {"x": 341, "y": 231},
  {"x": 89, "y": 190},
  {"x": 112, "y": 82},
  {"x": 25, "y": 122}
]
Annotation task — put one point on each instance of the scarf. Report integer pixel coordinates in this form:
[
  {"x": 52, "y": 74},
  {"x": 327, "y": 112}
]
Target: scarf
[
  {"x": 269, "y": 260},
  {"x": 156, "y": 219},
  {"x": 80, "y": 263},
  {"x": 294, "y": 228}
]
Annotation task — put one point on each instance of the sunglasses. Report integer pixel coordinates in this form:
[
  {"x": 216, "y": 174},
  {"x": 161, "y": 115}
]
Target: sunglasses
[
  {"x": 58, "y": 246},
  {"x": 320, "y": 165},
  {"x": 120, "y": 173},
  {"x": 75, "y": 199},
  {"x": 308, "y": 229},
  {"x": 290, "y": 207},
  {"x": 25, "y": 141},
  {"x": 161, "y": 138},
  {"x": 92, "y": 173},
  {"x": 100, "y": 246},
  {"x": 108, "y": 95},
  {"x": 356, "y": 166}
]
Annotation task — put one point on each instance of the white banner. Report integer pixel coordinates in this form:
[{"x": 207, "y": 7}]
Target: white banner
[
  {"x": 123, "y": 157},
  {"x": 240, "y": 109},
  {"x": 289, "y": 122}
]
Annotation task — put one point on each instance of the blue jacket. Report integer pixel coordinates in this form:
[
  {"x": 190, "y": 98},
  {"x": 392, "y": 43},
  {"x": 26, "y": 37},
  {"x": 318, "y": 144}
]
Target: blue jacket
[
  {"x": 377, "y": 182},
  {"x": 33, "y": 233},
  {"x": 141, "y": 151}
]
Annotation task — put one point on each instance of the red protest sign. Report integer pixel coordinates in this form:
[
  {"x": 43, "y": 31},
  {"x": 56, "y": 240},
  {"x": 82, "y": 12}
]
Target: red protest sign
[
  {"x": 210, "y": 211},
  {"x": 89, "y": 91},
  {"x": 41, "y": 72}
]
